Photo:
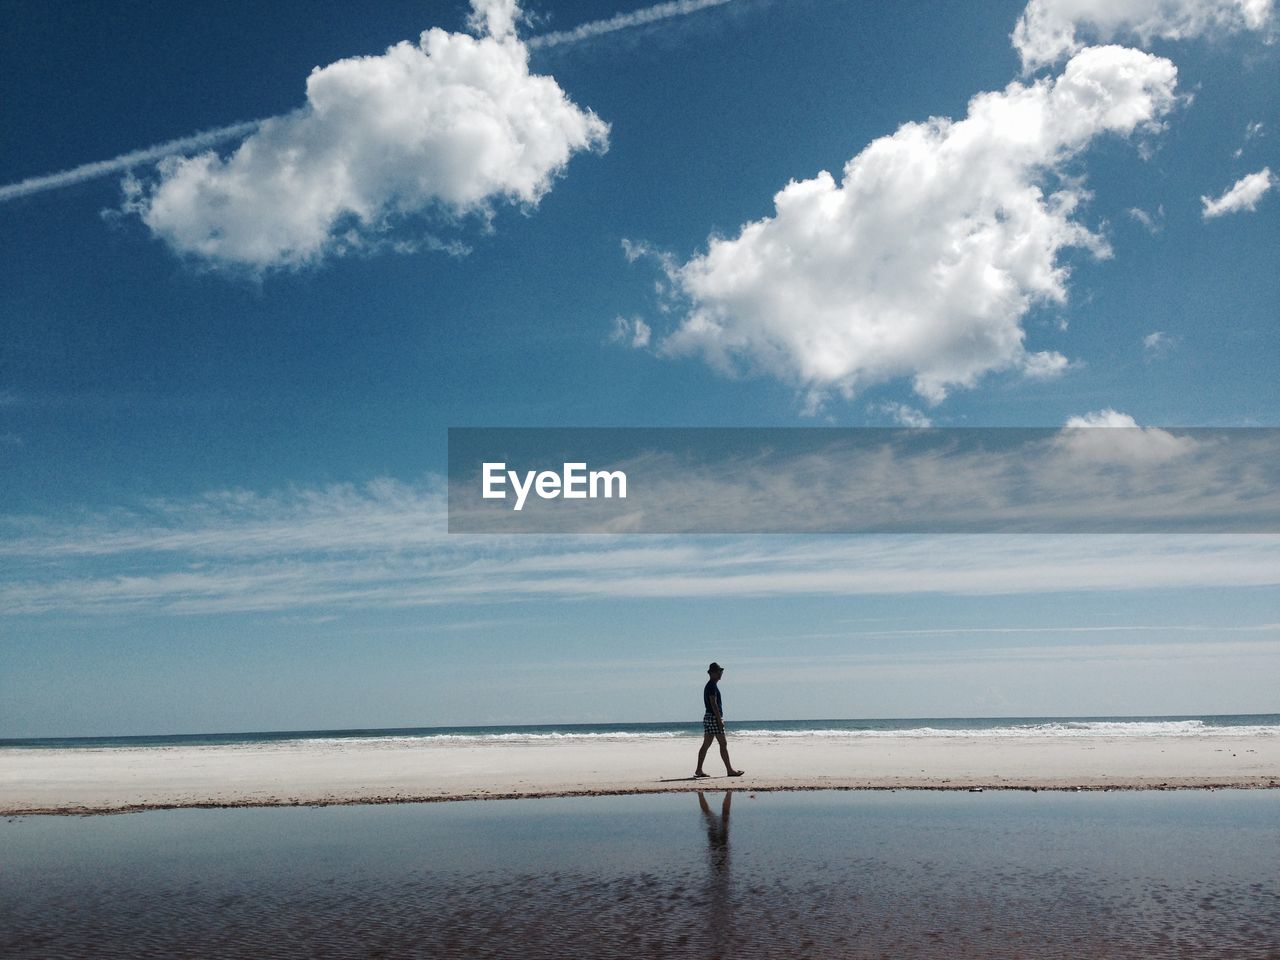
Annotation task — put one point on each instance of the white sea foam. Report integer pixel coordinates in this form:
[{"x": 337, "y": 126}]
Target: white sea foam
[
  {"x": 467, "y": 739},
  {"x": 980, "y": 730},
  {"x": 1063, "y": 728}
]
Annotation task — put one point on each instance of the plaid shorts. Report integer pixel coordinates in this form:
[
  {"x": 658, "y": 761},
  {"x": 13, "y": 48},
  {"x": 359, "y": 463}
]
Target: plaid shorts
[{"x": 711, "y": 725}]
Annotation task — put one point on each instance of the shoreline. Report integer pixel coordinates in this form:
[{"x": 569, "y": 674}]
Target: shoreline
[
  {"x": 90, "y": 781},
  {"x": 1170, "y": 787}
]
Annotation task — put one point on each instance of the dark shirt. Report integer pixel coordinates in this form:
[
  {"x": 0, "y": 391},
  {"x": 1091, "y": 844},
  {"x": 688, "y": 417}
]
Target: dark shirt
[{"x": 712, "y": 692}]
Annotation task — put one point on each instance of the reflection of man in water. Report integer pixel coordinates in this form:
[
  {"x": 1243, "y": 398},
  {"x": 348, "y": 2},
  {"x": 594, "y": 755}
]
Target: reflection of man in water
[
  {"x": 717, "y": 830},
  {"x": 713, "y": 723},
  {"x": 719, "y": 904}
]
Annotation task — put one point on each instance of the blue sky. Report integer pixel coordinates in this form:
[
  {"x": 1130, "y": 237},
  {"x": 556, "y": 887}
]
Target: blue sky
[{"x": 225, "y": 383}]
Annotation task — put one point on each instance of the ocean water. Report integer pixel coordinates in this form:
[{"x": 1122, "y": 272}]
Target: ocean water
[
  {"x": 823, "y": 875},
  {"x": 998, "y": 727}
]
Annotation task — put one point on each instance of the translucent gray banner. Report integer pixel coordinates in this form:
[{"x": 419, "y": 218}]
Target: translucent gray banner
[{"x": 871, "y": 480}]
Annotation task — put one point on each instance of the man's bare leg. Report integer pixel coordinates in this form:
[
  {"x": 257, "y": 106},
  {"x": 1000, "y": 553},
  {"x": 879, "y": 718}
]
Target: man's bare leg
[
  {"x": 724, "y": 755},
  {"x": 702, "y": 753}
]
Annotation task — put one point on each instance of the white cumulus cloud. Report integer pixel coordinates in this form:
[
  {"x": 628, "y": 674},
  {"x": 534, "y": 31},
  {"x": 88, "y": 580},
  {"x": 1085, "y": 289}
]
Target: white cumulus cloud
[
  {"x": 923, "y": 259},
  {"x": 1121, "y": 441},
  {"x": 450, "y": 125},
  {"x": 1050, "y": 30},
  {"x": 1243, "y": 195},
  {"x": 1102, "y": 418}
]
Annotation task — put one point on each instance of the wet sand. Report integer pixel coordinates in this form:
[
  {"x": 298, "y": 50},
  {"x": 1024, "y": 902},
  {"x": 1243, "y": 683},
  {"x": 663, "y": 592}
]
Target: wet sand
[
  {"x": 114, "y": 780},
  {"x": 817, "y": 875}
]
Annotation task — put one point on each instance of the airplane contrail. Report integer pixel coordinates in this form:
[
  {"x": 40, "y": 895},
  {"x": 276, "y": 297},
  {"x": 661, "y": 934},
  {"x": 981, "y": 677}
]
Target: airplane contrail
[
  {"x": 210, "y": 138},
  {"x": 102, "y": 168},
  {"x": 623, "y": 21}
]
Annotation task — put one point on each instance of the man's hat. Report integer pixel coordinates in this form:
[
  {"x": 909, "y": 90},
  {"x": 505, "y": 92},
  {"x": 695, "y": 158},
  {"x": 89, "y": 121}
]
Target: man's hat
[{"x": 715, "y": 668}]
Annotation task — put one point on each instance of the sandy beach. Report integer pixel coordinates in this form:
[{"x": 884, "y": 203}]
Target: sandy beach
[{"x": 323, "y": 772}]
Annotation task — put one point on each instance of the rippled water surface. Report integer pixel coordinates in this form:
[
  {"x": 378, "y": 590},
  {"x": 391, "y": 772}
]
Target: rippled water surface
[{"x": 907, "y": 874}]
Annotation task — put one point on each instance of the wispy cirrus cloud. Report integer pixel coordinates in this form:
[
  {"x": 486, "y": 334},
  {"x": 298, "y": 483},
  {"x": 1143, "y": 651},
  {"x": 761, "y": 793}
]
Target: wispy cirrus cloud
[
  {"x": 901, "y": 414},
  {"x": 382, "y": 546},
  {"x": 1252, "y": 131},
  {"x": 1152, "y": 223},
  {"x": 1157, "y": 344}
]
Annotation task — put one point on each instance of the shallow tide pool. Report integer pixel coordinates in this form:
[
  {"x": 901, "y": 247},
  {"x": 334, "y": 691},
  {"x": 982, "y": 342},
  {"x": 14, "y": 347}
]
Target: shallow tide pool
[{"x": 818, "y": 874}]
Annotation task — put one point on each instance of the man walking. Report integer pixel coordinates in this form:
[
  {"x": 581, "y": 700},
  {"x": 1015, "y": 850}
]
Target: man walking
[{"x": 713, "y": 723}]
